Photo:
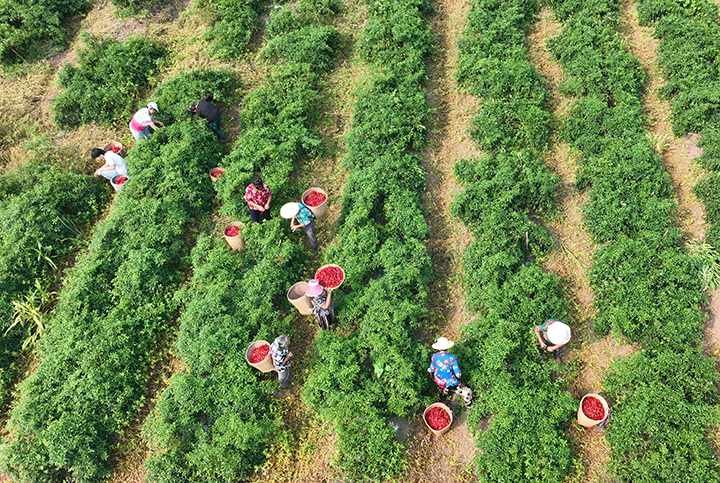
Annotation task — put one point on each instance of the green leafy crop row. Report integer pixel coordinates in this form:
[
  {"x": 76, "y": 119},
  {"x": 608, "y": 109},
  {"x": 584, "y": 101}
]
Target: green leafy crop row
[
  {"x": 91, "y": 378},
  {"x": 689, "y": 45},
  {"x": 42, "y": 210},
  {"x": 235, "y": 22},
  {"x": 646, "y": 286},
  {"x": 103, "y": 85},
  {"x": 505, "y": 189},
  {"x": 214, "y": 421},
  {"x": 372, "y": 367},
  {"x": 26, "y": 23}
]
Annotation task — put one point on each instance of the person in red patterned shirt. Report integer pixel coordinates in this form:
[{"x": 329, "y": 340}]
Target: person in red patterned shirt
[{"x": 258, "y": 196}]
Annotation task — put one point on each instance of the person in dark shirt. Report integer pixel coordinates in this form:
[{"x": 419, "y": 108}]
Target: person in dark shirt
[{"x": 210, "y": 112}]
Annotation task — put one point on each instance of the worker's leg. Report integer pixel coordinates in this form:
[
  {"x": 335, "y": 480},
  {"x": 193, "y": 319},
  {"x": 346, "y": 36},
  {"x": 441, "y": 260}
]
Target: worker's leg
[
  {"x": 310, "y": 232},
  {"x": 266, "y": 215},
  {"x": 136, "y": 135},
  {"x": 255, "y": 215},
  {"x": 284, "y": 378},
  {"x": 109, "y": 173},
  {"x": 215, "y": 126},
  {"x": 331, "y": 316},
  {"x": 146, "y": 133}
]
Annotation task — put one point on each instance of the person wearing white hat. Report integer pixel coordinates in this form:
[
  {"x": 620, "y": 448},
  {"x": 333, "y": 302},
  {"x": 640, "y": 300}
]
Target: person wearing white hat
[
  {"x": 552, "y": 335},
  {"x": 444, "y": 368},
  {"x": 298, "y": 212},
  {"x": 323, "y": 303},
  {"x": 142, "y": 121}
]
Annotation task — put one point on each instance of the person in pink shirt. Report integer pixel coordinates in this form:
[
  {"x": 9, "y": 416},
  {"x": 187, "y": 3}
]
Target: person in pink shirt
[
  {"x": 258, "y": 196},
  {"x": 142, "y": 121}
]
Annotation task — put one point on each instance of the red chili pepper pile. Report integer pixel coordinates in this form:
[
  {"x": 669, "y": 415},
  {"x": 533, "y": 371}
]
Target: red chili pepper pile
[
  {"x": 593, "y": 408},
  {"x": 330, "y": 277},
  {"x": 218, "y": 173},
  {"x": 232, "y": 231},
  {"x": 115, "y": 149},
  {"x": 259, "y": 353},
  {"x": 437, "y": 418},
  {"x": 315, "y": 198},
  {"x": 120, "y": 180}
]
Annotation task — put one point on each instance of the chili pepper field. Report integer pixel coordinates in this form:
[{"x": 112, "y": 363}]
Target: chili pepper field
[{"x": 488, "y": 166}]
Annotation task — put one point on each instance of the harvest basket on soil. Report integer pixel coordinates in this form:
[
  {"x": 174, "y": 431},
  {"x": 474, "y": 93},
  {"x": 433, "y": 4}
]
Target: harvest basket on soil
[
  {"x": 330, "y": 276},
  {"x": 438, "y": 417},
  {"x": 258, "y": 356},
  {"x": 316, "y": 200},
  {"x": 593, "y": 410},
  {"x": 118, "y": 181},
  {"x": 233, "y": 235},
  {"x": 296, "y": 296},
  {"x": 216, "y": 173}
]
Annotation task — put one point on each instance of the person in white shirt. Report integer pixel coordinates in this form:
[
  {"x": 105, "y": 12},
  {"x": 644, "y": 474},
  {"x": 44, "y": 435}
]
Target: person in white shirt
[
  {"x": 142, "y": 121},
  {"x": 114, "y": 163}
]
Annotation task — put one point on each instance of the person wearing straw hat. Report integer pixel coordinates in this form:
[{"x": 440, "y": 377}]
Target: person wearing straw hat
[
  {"x": 552, "y": 335},
  {"x": 142, "y": 121},
  {"x": 281, "y": 355},
  {"x": 323, "y": 303},
  {"x": 298, "y": 212},
  {"x": 444, "y": 368}
]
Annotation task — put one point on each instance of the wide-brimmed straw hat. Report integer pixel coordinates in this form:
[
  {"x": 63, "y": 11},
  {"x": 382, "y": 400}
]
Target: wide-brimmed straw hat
[
  {"x": 289, "y": 210},
  {"x": 443, "y": 344},
  {"x": 314, "y": 288},
  {"x": 558, "y": 333}
]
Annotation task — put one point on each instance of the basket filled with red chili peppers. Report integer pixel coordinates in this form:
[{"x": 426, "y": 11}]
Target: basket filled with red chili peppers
[
  {"x": 316, "y": 200},
  {"x": 438, "y": 417},
  {"x": 118, "y": 181},
  {"x": 216, "y": 173},
  {"x": 593, "y": 410},
  {"x": 330, "y": 276},
  {"x": 233, "y": 235},
  {"x": 258, "y": 356}
]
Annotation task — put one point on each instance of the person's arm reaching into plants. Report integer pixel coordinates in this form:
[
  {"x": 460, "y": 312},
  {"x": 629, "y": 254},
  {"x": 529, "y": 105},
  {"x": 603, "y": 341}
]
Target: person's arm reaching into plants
[
  {"x": 328, "y": 300},
  {"x": 538, "y": 331}
]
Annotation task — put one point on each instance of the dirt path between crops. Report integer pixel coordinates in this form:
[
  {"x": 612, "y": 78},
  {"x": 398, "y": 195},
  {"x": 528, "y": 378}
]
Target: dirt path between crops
[
  {"x": 572, "y": 261},
  {"x": 446, "y": 458}
]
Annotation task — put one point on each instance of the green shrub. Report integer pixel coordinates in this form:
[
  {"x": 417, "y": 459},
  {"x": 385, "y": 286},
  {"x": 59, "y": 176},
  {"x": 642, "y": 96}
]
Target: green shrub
[
  {"x": 104, "y": 84},
  {"x": 234, "y": 25}
]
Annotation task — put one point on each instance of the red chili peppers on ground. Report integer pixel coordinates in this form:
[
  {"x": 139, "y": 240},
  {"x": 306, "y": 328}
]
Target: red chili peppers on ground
[
  {"x": 330, "y": 277},
  {"x": 437, "y": 418},
  {"x": 314, "y": 199},
  {"x": 593, "y": 408},
  {"x": 259, "y": 353},
  {"x": 216, "y": 174},
  {"x": 120, "y": 179},
  {"x": 232, "y": 231}
]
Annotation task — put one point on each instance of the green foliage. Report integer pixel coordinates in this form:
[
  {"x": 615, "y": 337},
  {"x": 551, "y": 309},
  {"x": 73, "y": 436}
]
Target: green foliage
[
  {"x": 24, "y": 24},
  {"x": 176, "y": 94},
  {"x": 103, "y": 85},
  {"x": 92, "y": 374},
  {"x": 234, "y": 25},
  {"x": 310, "y": 45},
  {"x": 666, "y": 402}
]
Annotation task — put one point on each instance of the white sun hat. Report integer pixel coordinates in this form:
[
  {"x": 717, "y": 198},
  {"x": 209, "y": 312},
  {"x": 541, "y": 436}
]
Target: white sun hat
[
  {"x": 443, "y": 344},
  {"x": 558, "y": 333},
  {"x": 289, "y": 210},
  {"x": 153, "y": 105}
]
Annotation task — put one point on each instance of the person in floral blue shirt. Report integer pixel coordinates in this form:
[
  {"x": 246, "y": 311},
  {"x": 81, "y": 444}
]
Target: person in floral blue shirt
[
  {"x": 281, "y": 355},
  {"x": 444, "y": 368}
]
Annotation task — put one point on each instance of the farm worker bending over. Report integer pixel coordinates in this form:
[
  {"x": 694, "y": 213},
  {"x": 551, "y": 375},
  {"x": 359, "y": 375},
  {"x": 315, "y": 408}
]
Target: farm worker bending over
[
  {"x": 552, "y": 335},
  {"x": 323, "y": 303},
  {"x": 114, "y": 163},
  {"x": 258, "y": 196},
  {"x": 208, "y": 111},
  {"x": 281, "y": 355},
  {"x": 298, "y": 212},
  {"x": 444, "y": 368},
  {"x": 142, "y": 121}
]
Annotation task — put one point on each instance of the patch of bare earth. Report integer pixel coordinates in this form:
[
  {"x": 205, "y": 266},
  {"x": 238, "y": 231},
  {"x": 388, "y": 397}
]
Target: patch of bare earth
[
  {"x": 448, "y": 457},
  {"x": 571, "y": 261}
]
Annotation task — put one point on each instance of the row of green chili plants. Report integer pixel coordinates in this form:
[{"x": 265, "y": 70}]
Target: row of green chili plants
[
  {"x": 372, "y": 366},
  {"x": 507, "y": 190},
  {"x": 646, "y": 286},
  {"x": 44, "y": 208},
  {"x": 215, "y": 420},
  {"x": 689, "y": 37},
  {"x": 115, "y": 303}
]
